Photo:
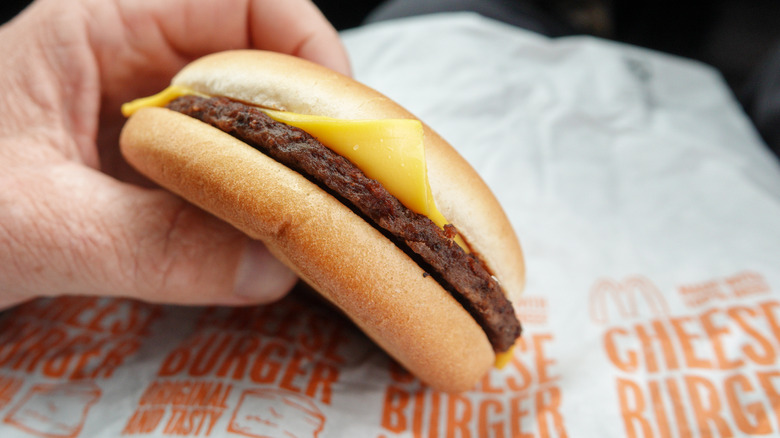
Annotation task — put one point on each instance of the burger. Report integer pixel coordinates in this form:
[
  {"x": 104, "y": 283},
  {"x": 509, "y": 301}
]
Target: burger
[{"x": 367, "y": 204}]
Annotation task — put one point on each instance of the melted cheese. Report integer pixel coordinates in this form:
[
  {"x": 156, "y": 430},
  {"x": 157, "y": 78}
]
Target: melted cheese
[
  {"x": 502, "y": 359},
  {"x": 389, "y": 151},
  {"x": 162, "y": 98}
]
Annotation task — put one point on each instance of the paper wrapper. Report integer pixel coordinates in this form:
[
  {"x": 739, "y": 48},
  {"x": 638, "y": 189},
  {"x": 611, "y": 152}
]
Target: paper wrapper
[{"x": 649, "y": 212}]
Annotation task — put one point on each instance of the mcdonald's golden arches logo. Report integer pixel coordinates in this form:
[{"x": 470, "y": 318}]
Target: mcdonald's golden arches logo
[{"x": 634, "y": 297}]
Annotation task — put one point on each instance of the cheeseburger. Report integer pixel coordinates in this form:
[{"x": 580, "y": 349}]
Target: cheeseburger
[{"x": 363, "y": 201}]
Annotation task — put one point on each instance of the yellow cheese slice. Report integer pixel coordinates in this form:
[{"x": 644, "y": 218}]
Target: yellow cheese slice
[
  {"x": 160, "y": 99},
  {"x": 502, "y": 359},
  {"x": 389, "y": 151}
]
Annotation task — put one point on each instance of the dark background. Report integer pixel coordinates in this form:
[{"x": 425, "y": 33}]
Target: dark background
[{"x": 732, "y": 35}]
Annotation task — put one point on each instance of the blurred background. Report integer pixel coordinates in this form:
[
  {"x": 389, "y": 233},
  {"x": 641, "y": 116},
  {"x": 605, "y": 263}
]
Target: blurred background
[{"x": 734, "y": 36}]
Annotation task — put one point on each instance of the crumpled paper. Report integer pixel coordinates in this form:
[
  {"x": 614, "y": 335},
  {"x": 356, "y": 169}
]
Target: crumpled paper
[{"x": 647, "y": 207}]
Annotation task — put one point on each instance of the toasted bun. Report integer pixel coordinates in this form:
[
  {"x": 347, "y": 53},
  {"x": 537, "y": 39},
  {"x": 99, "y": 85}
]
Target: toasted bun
[{"x": 343, "y": 257}]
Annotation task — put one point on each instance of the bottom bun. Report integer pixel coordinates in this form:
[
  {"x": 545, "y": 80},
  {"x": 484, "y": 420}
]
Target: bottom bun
[{"x": 339, "y": 254}]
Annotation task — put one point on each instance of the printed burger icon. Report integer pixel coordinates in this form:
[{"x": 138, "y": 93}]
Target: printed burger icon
[{"x": 265, "y": 413}]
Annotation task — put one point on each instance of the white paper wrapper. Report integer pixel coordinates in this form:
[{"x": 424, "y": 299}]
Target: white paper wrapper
[{"x": 648, "y": 210}]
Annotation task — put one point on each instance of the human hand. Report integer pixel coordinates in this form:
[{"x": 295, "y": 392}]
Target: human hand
[{"x": 74, "y": 219}]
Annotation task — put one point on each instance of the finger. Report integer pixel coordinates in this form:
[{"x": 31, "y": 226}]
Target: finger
[
  {"x": 298, "y": 28},
  {"x": 139, "y": 45},
  {"x": 96, "y": 236},
  {"x": 295, "y": 27}
]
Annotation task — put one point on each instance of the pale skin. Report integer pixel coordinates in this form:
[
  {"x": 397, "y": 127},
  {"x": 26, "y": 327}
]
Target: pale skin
[{"x": 74, "y": 219}]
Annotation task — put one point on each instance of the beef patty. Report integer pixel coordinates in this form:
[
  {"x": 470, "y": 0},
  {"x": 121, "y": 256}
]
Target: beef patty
[{"x": 462, "y": 274}]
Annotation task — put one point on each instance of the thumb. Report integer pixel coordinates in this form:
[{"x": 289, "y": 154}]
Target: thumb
[{"x": 74, "y": 230}]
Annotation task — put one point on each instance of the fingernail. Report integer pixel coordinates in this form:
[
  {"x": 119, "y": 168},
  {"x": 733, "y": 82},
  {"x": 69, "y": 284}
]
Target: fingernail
[{"x": 260, "y": 276}]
